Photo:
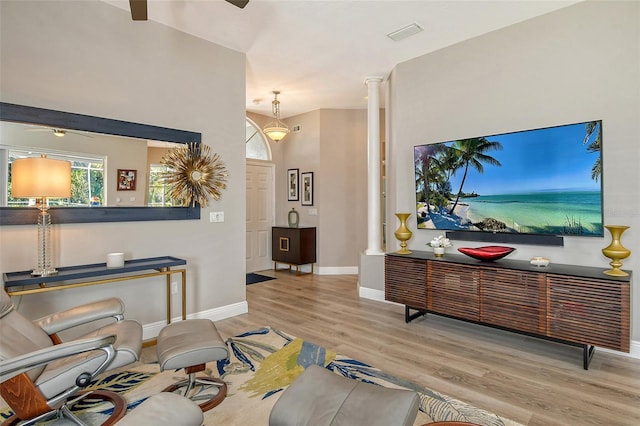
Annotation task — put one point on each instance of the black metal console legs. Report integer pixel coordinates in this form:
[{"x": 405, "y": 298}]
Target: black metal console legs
[
  {"x": 587, "y": 354},
  {"x": 410, "y": 317}
]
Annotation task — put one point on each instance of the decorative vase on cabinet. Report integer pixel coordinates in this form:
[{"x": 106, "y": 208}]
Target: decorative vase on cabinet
[
  {"x": 403, "y": 234},
  {"x": 438, "y": 251},
  {"x": 293, "y": 218},
  {"x": 616, "y": 251}
]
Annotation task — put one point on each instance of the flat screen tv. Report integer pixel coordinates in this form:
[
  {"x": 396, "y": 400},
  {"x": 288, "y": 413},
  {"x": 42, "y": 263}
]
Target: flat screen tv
[{"x": 539, "y": 182}]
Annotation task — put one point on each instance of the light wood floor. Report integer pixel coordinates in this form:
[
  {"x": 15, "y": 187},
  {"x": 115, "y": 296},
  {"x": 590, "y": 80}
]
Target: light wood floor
[{"x": 531, "y": 381}]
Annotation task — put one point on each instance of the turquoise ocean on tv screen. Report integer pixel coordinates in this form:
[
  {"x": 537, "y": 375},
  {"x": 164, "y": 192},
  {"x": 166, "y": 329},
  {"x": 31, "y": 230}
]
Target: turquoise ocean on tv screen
[{"x": 541, "y": 211}]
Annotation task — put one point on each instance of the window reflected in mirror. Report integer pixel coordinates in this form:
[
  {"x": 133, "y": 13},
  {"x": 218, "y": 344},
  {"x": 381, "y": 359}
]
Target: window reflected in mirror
[
  {"x": 159, "y": 191},
  {"x": 87, "y": 180},
  {"x": 95, "y": 159},
  {"x": 124, "y": 147}
]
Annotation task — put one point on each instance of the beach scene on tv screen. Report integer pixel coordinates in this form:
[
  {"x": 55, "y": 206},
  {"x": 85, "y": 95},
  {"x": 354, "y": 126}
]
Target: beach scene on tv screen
[{"x": 544, "y": 181}]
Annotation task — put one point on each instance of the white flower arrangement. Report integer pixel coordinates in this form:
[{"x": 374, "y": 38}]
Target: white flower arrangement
[{"x": 440, "y": 241}]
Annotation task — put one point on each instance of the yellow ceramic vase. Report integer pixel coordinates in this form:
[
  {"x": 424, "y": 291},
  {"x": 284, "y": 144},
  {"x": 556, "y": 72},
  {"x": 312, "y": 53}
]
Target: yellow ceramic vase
[
  {"x": 403, "y": 234},
  {"x": 616, "y": 251}
]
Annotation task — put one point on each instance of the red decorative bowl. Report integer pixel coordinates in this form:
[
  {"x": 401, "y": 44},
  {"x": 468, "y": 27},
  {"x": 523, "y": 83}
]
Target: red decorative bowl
[{"x": 486, "y": 253}]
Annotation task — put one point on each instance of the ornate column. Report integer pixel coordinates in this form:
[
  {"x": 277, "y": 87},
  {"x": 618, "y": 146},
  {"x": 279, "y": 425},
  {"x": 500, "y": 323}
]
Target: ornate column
[{"x": 374, "y": 245}]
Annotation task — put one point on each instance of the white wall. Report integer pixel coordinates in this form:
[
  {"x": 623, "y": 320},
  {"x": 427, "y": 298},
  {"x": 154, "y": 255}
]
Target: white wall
[
  {"x": 91, "y": 58},
  {"x": 577, "y": 64},
  {"x": 342, "y": 188},
  {"x": 332, "y": 143},
  {"x": 300, "y": 151}
]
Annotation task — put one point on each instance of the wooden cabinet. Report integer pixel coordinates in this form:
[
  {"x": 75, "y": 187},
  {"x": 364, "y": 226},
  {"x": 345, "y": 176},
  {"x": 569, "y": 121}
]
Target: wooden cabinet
[
  {"x": 405, "y": 278},
  {"x": 571, "y": 304},
  {"x": 593, "y": 311},
  {"x": 453, "y": 290},
  {"x": 514, "y": 299},
  {"x": 293, "y": 246}
]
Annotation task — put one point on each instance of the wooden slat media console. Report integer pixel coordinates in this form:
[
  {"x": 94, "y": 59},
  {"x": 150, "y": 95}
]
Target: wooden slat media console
[{"x": 571, "y": 304}]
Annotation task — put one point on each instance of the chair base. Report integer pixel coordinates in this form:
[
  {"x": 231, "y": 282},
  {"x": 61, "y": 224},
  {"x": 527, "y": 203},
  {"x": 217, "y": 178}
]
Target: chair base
[
  {"x": 204, "y": 384},
  {"x": 118, "y": 402}
]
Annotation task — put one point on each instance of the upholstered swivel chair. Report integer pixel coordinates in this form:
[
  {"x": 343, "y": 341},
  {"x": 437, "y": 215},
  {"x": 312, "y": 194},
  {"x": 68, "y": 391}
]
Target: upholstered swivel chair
[{"x": 39, "y": 373}]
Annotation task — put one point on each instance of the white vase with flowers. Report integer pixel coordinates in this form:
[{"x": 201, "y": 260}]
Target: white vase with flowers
[{"x": 439, "y": 245}]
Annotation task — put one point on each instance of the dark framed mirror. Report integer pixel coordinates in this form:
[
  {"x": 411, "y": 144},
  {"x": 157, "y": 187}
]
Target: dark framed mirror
[{"x": 95, "y": 125}]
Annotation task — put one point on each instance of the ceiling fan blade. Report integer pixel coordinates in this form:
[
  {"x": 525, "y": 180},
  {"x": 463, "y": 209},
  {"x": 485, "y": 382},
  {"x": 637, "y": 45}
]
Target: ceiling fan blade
[
  {"x": 238, "y": 3},
  {"x": 138, "y": 10}
]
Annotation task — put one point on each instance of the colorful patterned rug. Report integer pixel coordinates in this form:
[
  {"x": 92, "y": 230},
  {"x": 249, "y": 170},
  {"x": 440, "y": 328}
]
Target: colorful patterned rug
[{"x": 262, "y": 364}]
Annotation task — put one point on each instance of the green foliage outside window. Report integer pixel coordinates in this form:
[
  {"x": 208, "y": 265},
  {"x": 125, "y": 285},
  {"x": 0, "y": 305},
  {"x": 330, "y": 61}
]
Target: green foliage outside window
[
  {"x": 158, "y": 190},
  {"x": 87, "y": 183}
]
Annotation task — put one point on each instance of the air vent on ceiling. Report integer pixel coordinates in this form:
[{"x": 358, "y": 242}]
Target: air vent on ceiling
[{"x": 405, "y": 32}]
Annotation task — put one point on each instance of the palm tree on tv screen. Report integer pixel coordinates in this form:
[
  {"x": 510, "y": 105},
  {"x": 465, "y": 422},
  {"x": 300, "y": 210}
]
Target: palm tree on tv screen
[
  {"x": 424, "y": 168},
  {"x": 471, "y": 152},
  {"x": 450, "y": 161},
  {"x": 591, "y": 128}
]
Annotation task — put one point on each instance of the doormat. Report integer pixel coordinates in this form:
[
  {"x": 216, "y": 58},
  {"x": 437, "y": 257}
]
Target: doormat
[{"x": 257, "y": 278}]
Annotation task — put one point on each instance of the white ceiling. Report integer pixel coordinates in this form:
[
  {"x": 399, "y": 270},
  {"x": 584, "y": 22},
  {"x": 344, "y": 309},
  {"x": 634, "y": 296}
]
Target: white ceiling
[{"x": 318, "y": 53}]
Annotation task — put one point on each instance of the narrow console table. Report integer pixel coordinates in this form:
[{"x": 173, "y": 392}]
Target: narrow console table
[
  {"x": 293, "y": 246},
  {"x": 22, "y": 283},
  {"x": 576, "y": 305}
]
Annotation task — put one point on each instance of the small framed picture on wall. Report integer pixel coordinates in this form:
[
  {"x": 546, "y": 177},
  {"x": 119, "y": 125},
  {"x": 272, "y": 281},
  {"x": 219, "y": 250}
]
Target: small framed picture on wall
[
  {"x": 307, "y": 188},
  {"x": 292, "y": 185},
  {"x": 126, "y": 180}
]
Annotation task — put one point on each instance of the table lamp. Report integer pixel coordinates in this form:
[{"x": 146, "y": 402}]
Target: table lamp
[{"x": 41, "y": 178}]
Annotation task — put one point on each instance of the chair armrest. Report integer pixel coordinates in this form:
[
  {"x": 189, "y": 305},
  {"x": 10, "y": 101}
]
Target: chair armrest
[
  {"x": 82, "y": 314},
  {"x": 23, "y": 363}
]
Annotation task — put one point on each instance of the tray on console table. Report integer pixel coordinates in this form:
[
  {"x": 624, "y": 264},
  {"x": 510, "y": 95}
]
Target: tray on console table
[{"x": 571, "y": 304}]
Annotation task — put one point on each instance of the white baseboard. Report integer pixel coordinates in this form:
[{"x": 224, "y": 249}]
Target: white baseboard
[
  {"x": 338, "y": 270},
  {"x": 151, "y": 331},
  {"x": 634, "y": 350},
  {"x": 371, "y": 293},
  {"x": 378, "y": 295}
]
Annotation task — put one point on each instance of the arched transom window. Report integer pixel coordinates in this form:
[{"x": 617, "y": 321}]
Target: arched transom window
[{"x": 256, "y": 143}]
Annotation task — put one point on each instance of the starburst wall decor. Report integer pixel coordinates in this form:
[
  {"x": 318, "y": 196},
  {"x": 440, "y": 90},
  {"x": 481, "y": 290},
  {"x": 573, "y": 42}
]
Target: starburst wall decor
[{"x": 195, "y": 174}]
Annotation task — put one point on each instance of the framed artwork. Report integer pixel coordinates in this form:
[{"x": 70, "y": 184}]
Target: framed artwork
[
  {"x": 307, "y": 188},
  {"x": 292, "y": 185},
  {"x": 126, "y": 180}
]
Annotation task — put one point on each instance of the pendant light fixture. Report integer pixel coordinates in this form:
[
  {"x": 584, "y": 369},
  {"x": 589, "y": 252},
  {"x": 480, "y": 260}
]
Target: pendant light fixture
[{"x": 276, "y": 130}]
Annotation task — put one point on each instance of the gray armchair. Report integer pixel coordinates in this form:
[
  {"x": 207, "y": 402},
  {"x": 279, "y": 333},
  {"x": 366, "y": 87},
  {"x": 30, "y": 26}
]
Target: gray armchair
[{"x": 39, "y": 372}]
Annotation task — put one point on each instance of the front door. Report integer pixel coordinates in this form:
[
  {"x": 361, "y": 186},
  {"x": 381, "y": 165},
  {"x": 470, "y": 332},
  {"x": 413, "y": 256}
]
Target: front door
[{"x": 260, "y": 215}]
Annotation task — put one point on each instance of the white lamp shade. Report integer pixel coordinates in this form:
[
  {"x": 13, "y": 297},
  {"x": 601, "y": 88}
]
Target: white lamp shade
[
  {"x": 40, "y": 177},
  {"x": 276, "y": 133}
]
